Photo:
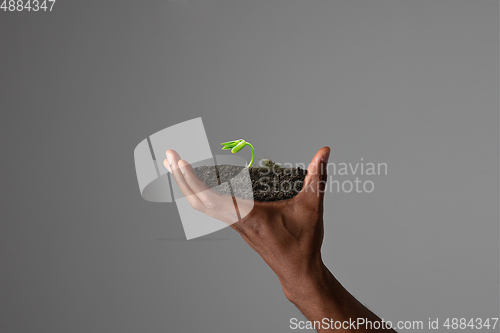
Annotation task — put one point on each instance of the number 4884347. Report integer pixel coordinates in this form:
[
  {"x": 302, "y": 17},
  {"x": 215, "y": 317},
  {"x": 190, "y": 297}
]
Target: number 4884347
[{"x": 27, "y": 5}]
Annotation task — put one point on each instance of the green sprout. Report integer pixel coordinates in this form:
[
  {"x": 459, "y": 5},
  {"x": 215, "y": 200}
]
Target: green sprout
[{"x": 238, "y": 145}]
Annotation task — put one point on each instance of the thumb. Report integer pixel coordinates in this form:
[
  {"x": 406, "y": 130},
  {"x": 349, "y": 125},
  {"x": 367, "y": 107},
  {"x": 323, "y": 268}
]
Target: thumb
[{"x": 315, "y": 181}]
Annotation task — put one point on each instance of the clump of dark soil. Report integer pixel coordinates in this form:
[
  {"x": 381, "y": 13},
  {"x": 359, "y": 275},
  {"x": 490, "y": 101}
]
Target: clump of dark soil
[{"x": 270, "y": 182}]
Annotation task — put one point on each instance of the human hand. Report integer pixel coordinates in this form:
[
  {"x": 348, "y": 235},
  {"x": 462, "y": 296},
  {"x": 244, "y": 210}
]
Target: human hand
[{"x": 287, "y": 234}]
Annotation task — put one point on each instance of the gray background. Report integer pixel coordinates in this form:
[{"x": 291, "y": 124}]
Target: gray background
[{"x": 410, "y": 83}]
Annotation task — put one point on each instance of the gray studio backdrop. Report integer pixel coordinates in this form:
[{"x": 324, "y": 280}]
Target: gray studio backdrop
[{"x": 413, "y": 84}]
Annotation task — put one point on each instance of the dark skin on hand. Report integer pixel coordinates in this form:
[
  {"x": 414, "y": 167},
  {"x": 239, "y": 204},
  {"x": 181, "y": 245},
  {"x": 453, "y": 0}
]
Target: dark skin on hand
[{"x": 288, "y": 235}]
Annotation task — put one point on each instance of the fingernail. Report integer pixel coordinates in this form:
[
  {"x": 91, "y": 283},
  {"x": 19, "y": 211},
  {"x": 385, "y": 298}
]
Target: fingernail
[
  {"x": 325, "y": 156},
  {"x": 182, "y": 165},
  {"x": 169, "y": 159},
  {"x": 167, "y": 166}
]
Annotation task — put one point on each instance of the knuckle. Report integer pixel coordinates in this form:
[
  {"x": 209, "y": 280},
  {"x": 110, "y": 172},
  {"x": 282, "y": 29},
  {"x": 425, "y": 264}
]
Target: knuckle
[
  {"x": 231, "y": 215},
  {"x": 212, "y": 205},
  {"x": 237, "y": 227},
  {"x": 323, "y": 177},
  {"x": 197, "y": 206},
  {"x": 252, "y": 228}
]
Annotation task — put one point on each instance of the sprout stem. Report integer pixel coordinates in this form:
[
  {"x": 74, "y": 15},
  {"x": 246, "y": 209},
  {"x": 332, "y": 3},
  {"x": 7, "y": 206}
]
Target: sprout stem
[{"x": 253, "y": 154}]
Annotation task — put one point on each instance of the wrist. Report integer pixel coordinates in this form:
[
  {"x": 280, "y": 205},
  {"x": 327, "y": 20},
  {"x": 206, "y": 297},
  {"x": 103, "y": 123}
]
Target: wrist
[{"x": 316, "y": 282}]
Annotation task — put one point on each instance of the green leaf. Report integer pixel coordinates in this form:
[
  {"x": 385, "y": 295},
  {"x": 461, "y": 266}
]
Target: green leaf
[
  {"x": 235, "y": 142},
  {"x": 239, "y": 147}
]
